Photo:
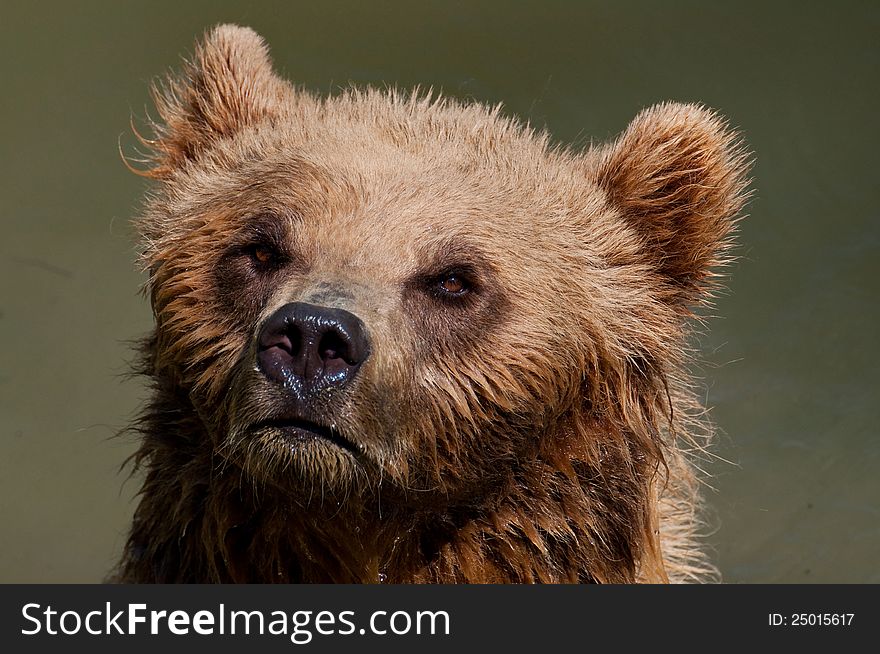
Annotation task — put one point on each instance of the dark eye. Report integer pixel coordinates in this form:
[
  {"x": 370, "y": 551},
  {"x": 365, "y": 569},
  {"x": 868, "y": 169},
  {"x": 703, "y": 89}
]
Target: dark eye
[
  {"x": 263, "y": 256},
  {"x": 453, "y": 285}
]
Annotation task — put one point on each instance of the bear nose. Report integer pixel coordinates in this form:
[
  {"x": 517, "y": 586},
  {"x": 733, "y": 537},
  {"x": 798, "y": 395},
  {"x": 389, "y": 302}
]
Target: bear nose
[{"x": 310, "y": 346}]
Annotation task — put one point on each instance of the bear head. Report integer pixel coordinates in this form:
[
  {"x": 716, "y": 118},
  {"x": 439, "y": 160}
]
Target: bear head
[{"x": 396, "y": 298}]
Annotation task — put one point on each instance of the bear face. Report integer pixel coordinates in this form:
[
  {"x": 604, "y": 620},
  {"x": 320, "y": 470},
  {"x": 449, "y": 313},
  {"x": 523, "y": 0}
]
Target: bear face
[{"x": 427, "y": 317}]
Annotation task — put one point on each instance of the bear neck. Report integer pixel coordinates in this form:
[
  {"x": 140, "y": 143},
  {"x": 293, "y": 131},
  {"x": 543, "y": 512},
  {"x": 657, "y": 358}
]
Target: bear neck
[{"x": 547, "y": 522}]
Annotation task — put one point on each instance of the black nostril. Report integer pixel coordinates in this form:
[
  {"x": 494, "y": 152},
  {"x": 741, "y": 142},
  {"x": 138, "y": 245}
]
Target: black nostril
[
  {"x": 289, "y": 342},
  {"x": 309, "y": 346},
  {"x": 332, "y": 346}
]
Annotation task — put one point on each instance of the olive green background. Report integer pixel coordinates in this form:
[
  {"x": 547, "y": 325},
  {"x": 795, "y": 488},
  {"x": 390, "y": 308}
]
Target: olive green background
[{"x": 790, "y": 366}]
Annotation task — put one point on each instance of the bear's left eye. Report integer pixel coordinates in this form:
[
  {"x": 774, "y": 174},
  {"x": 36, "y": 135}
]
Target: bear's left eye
[{"x": 453, "y": 285}]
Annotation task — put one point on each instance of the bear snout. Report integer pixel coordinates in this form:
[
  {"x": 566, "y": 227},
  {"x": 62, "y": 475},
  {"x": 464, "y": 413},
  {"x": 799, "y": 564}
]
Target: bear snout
[{"x": 308, "y": 347}]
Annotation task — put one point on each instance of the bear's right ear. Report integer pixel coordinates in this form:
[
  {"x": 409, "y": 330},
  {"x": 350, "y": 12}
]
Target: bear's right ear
[
  {"x": 677, "y": 176},
  {"x": 228, "y": 85}
]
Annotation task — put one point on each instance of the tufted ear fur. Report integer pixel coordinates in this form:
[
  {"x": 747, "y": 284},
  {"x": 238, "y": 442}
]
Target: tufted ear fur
[
  {"x": 229, "y": 84},
  {"x": 677, "y": 175}
]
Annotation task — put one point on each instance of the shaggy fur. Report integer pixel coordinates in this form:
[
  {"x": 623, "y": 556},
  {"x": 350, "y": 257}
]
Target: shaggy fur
[{"x": 538, "y": 428}]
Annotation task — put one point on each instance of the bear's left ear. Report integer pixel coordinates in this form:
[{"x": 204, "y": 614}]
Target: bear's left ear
[
  {"x": 228, "y": 85},
  {"x": 677, "y": 175}
]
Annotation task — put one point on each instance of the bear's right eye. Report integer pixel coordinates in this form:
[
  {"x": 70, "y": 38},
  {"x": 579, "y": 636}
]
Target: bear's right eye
[{"x": 263, "y": 256}]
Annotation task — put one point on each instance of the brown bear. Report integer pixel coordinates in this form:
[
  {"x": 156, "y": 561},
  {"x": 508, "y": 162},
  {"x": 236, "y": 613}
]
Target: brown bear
[{"x": 404, "y": 339}]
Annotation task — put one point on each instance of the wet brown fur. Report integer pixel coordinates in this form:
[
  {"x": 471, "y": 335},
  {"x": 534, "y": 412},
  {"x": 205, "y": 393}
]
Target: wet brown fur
[{"x": 540, "y": 430}]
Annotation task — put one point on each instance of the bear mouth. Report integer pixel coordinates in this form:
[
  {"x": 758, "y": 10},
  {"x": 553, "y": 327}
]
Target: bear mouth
[{"x": 300, "y": 432}]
